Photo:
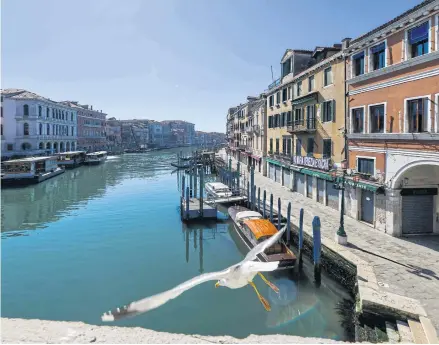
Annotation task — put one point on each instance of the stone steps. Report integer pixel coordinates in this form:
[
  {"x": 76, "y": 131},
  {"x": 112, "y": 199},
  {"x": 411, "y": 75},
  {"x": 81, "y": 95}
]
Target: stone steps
[{"x": 412, "y": 332}]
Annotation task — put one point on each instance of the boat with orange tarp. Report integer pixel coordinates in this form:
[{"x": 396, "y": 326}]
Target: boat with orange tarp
[{"x": 252, "y": 229}]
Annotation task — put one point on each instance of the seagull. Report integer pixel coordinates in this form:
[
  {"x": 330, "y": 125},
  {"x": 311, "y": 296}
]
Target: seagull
[{"x": 234, "y": 277}]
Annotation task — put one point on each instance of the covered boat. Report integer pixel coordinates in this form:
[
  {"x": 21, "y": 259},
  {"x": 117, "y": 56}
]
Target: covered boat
[
  {"x": 218, "y": 190},
  {"x": 95, "y": 157},
  {"x": 252, "y": 229},
  {"x": 71, "y": 159}
]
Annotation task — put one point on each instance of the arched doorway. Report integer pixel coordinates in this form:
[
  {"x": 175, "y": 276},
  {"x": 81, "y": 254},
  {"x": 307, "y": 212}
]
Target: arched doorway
[
  {"x": 48, "y": 146},
  {"x": 73, "y": 146},
  {"x": 55, "y": 146},
  {"x": 67, "y": 146},
  {"x": 26, "y": 146},
  {"x": 61, "y": 147},
  {"x": 415, "y": 192},
  {"x": 41, "y": 146}
]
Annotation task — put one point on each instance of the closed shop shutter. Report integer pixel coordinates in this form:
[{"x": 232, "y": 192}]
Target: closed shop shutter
[
  {"x": 367, "y": 206},
  {"x": 286, "y": 177},
  {"x": 332, "y": 195},
  {"x": 417, "y": 214},
  {"x": 278, "y": 174},
  {"x": 321, "y": 190},
  {"x": 309, "y": 186},
  {"x": 271, "y": 171},
  {"x": 299, "y": 183}
]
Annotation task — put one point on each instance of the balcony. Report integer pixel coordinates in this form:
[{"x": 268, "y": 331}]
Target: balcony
[{"x": 302, "y": 126}]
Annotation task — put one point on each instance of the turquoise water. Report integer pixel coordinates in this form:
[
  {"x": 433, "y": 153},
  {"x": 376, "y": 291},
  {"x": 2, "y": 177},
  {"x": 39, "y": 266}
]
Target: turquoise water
[{"x": 99, "y": 237}]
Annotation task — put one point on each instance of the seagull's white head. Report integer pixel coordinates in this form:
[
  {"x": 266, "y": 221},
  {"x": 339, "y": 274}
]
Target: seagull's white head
[{"x": 221, "y": 282}]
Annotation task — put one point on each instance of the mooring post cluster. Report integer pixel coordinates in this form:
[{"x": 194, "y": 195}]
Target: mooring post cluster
[{"x": 317, "y": 243}]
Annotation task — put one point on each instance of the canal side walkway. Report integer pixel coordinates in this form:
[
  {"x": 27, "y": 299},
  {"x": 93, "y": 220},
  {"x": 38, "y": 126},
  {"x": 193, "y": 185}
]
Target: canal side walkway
[{"x": 395, "y": 274}]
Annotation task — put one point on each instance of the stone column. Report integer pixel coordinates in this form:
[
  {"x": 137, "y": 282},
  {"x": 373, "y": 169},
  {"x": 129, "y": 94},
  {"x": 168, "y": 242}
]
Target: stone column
[
  {"x": 393, "y": 212},
  {"x": 314, "y": 188}
]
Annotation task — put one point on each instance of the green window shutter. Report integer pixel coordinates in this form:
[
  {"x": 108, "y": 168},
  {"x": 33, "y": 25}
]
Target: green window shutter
[{"x": 333, "y": 110}]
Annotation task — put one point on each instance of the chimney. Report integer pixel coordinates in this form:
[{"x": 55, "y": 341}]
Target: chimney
[
  {"x": 91, "y": 107},
  {"x": 345, "y": 43}
]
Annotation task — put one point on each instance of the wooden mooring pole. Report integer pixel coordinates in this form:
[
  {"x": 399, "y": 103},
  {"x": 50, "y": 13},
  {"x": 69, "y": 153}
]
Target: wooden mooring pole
[
  {"x": 201, "y": 193},
  {"x": 259, "y": 199},
  {"x": 253, "y": 198},
  {"x": 264, "y": 203},
  {"x": 317, "y": 249},
  {"x": 248, "y": 194},
  {"x": 195, "y": 181},
  {"x": 279, "y": 213},
  {"x": 300, "y": 246},
  {"x": 289, "y": 223},
  {"x": 187, "y": 202},
  {"x": 271, "y": 207}
]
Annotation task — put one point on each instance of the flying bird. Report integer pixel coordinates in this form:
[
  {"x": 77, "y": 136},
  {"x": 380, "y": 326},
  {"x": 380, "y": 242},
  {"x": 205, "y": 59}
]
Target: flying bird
[{"x": 234, "y": 277}]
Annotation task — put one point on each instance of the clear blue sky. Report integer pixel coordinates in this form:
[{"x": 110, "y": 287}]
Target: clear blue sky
[{"x": 169, "y": 59}]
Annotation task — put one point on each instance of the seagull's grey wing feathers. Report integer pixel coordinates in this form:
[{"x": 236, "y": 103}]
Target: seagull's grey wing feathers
[
  {"x": 260, "y": 248},
  {"x": 155, "y": 301}
]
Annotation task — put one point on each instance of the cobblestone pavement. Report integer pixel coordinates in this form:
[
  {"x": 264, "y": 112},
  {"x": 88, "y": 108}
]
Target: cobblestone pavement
[{"x": 404, "y": 266}]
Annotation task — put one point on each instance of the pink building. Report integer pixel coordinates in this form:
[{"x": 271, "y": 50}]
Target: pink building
[{"x": 91, "y": 127}]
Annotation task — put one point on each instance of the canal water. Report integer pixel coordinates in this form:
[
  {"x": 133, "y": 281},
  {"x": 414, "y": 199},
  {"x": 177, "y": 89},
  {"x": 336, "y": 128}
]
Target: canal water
[{"x": 99, "y": 237}]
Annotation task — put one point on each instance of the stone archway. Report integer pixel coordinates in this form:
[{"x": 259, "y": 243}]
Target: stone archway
[
  {"x": 73, "y": 147},
  {"x": 61, "y": 147},
  {"x": 41, "y": 146},
  {"x": 55, "y": 147},
  {"x": 26, "y": 146},
  {"x": 48, "y": 146},
  {"x": 67, "y": 146}
]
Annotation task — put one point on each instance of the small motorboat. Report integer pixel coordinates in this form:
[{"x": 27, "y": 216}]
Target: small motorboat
[
  {"x": 218, "y": 190},
  {"x": 95, "y": 157},
  {"x": 252, "y": 229}
]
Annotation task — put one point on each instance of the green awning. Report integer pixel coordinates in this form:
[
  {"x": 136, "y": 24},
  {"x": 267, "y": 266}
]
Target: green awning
[
  {"x": 280, "y": 164},
  {"x": 316, "y": 173},
  {"x": 367, "y": 186}
]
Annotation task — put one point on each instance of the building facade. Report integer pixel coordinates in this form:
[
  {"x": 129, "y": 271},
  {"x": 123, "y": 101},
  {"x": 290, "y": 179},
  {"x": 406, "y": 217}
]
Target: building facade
[
  {"x": 32, "y": 124},
  {"x": 91, "y": 127},
  {"x": 393, "y": 131},
  {"x": 135, "y": 134},
  {"x": 113, "y": 132},
  {"x": 156, "y": 134}
]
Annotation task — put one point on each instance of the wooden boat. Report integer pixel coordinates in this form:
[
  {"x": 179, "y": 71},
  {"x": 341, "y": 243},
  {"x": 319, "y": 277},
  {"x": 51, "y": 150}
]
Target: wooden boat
[
  {"x": 95, "y": 157},
  {"x": 252, "y": 229},
  {"x": 29, "y": 170},
  {"x": 71, "y": 159},
  {"x": 218, "y": 190}
]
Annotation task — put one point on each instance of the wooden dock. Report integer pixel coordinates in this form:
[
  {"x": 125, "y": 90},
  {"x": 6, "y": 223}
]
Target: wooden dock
[
  {"x": 228, "y": 200},
  {"x": 191, "y": 210}
]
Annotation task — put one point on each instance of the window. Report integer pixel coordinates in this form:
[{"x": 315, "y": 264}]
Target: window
[
  {"x": 270, "y": 101},
  {"x": 290, "y": 94},
  {"x": 417, "y": 112},
  {"x": 298, "y": 147},
  {"x": 62, "y": 116},
  {"x": 25, "y": 128},
  {"x": 418, "y": 40},
  {"x": 357, "y": 120},
  {"x": 1, "y": 132},
  {"x": 289, "y": 118},
  {"x": 284, "y": 95},
  {"x": 73, "y": 129},
  {"x": 277, "y": 145},
  {"x": 10, "y": 147},
  {"x": 378, "y": 56},
  {"x": 358, "y": 64},
  {"x": 298, "y": 117},
  {"x": 377, "y": 118},
  {"x": 270, "y": 121},
  {"x": 366, "y": 166},
  {"x": 277, "y": 97},
  {"x": 311, "y": 83},
  {"x": 288, "y": 146},
  {"x": 310, "y": 147},
  {"x": 284, "y": 146},
  {"x": 286, "y": 67},
  {"x": 271, "y": 145},
  {"x": 25, "y": 110},
  {"x": 327, "y": 148},
  {"x": 327, "y": 76},
  {"x": 40, "y": 127},
  {"x": 282, "y": 121},
  {"x": 328, "y": 111},
  {"x": 53, "y": 113},
  {"x": 311, "y": 116},
  {"x": 299, "y": 88},
  {"x": 71, "y": 116},
  {"x": 48, "y": 129},
  {"x": 47, "y": 112},
  {"x": 40, "y": 111}
]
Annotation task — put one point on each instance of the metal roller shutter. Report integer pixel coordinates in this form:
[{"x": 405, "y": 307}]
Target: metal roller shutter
[
  {"x": 367, "y": 206},
  {"x": 417, "y": 214},
  {"x": 321, "y": 190},
  {"x": 271, "y": 171},
  {"x": 332, "y": 195},
  {"x": 299, "y": 183},
  {"x": 309, "y": 186},
  {"x": 286, "y": 177},
  {"x": 278, "y": 174}
]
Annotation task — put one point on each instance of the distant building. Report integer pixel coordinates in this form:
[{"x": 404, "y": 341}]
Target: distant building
[
  {"x": 113, "y": 132},
  {"x": 156, "y": 134},
  {"x": 134, "y": 134},
  {"x": 91, "y": 127},
  {"x": 32, "y": 124},
  {"x": 178, "y": 133}
]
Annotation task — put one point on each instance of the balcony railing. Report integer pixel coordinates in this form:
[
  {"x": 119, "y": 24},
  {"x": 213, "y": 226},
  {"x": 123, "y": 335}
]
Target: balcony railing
[
  {"x": 274, "y": 84},
  {"x": 301, "y": 125}
]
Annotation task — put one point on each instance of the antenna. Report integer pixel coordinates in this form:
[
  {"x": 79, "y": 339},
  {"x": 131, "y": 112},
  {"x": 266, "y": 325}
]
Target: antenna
[{"x": 272, "y": 78}]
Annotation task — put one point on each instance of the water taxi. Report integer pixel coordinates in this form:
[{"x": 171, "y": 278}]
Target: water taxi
[
  {"x": 29, "y": 170},
  {"x": 218, "y": 190},
  {"x": 95, "y": 157},
  {"x": 71, "y": 159},
  {"x": 252, "y": 229}
]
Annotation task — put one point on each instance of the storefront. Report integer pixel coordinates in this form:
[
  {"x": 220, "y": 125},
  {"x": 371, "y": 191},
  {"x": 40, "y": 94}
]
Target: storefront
[
  {"x": 299, "y": 183},
  {"x": 321, "y": 190},
  {"x": 418, "y": 205},
  {"x": 278, "y": 174},
  {"x": 309, "y": 186},
  {"x": 278, "y": 171},
  {"x": 286, "y": 177},
  {"x": 332, "y": 196}
]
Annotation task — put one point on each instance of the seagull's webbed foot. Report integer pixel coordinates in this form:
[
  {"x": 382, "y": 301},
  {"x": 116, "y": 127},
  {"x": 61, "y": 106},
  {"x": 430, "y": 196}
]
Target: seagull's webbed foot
[
  {"x": 261, "y": 298},
  {"x": 269, "y": 283}
]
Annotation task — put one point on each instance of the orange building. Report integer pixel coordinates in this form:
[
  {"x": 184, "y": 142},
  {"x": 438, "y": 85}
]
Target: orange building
[{"x": 393, "y": 123}]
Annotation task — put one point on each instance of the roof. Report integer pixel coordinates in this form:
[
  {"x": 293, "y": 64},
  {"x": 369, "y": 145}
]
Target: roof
[
  {"x": 261, "y": 227},
  {"x": 29, "y": 159},
  {"x": 69, "y": 153},
  {"x": 96, "y": 153},
  {"x": 413, "y": 9},
  {"x": 247, "y": 214},
  {"x": 217, "y": 185}
]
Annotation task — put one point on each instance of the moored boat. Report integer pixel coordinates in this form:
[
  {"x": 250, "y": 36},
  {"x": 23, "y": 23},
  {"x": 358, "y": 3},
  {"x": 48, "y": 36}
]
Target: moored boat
[
  {"x": 95, "y": 157},
  {"x": 252, "y": 229},
  {"x": 218, "y": 190},
  {"x": 71, "y": 159},
  {"x": 29, "y": 170}
]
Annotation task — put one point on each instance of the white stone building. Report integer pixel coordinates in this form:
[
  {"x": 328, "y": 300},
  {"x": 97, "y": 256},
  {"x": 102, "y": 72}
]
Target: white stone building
[{"x": 33, "y": 124}]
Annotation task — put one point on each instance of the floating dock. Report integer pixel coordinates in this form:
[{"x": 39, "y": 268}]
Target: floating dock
[{"x": 191, "y": 210}]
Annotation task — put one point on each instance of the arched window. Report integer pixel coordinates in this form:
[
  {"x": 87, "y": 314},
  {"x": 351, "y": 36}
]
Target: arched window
[
  {"x": 48, "y": 129},
  {"x": 53, "y": 130},
  {"x": 41, "y": 129},
  {"x": 1, "y": 126},
  {"x": 25, "y": 110},
  {"x": 57, "y": 113},
  {"x": 26, "y": 146},
  {"x": 25, "y": 128},
  {"x": 71, "y": 116},
  {"x": 73, "y": 146},
  {"x": 47, "y": 112},
  {"x": 40, "y": 111},
  {"x": 53, "y": 113},
  {"x": 62, "y": 115},
  {"x": 73, "y": 131},
  {"x": 48, "y": 146},
  {"x": 41, "y": 146}
]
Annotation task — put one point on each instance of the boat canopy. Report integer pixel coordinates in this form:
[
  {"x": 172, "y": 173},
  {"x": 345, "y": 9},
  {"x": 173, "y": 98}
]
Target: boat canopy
[
  {"x": 218, "y": 186},
  {"x": 97, "y": 153},
  {"x": 28, "y": 160},
  {"x": 261, "y": 227},
  {"x": 247, "y": 214}
]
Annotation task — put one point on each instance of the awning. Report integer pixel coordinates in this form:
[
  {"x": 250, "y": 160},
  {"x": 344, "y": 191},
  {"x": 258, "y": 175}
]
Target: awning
[
  {"x": 280, "y": 164},
  {"x": 367, "y": 186},
  {"x": 317, "y": 173}
]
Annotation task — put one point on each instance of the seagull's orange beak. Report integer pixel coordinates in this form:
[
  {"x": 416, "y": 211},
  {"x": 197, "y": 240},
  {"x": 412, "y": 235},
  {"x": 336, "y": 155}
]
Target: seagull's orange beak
[{"x": 217, "y": 284}]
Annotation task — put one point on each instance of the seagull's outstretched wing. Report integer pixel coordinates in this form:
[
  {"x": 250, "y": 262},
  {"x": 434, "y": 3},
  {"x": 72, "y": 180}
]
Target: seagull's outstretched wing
[
  {"x": 149, "y": 303},
  {"x": 260, "y": 248}
]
